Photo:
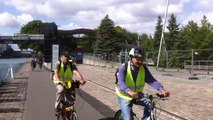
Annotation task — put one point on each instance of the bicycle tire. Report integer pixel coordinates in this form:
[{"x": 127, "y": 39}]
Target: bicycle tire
[
  {"x": 118, "y": 115},
  {"x": 74, "y": 116}
]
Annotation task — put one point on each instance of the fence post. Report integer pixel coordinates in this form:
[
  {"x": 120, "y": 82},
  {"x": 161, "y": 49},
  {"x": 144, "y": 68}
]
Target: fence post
[
  {"x": 192, "y": 62},
  {"x": 126, "y": 56}
]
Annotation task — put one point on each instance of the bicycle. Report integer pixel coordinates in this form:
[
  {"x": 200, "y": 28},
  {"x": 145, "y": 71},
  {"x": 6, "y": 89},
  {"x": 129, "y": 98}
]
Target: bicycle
[
  {"x": 153, "y": 110},
  {"x": 67, "y": 110}
]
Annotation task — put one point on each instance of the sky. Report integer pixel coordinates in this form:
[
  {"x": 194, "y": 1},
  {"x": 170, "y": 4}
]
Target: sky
[{"x": 138, "y": 16}]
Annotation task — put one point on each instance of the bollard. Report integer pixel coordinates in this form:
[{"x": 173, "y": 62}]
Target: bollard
[{"x": 11, "y": 71}]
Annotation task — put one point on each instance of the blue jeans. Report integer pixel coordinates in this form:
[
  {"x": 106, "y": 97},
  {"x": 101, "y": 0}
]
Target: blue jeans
[{"x": 126, "y": 107}]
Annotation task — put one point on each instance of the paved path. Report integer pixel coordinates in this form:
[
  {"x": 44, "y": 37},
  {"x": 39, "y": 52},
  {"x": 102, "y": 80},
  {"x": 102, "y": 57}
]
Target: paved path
[
  {"x": 41, "y": 98},
  {"x": 32, "y": 98},
  {"x": 191, "y": 99},
  {"x": 13, "y": 96}
]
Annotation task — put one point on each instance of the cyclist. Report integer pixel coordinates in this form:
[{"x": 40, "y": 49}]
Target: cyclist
[
  {"x": 131, "y": 80},
  {"x": 40, "y": 62},
  {"x": 63, "y": 72},
  {"x": 33, "y": 62}
]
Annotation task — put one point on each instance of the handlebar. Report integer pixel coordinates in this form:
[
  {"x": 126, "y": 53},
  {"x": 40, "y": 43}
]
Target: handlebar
[
  {"x": 162, "y": 96},
  {"x": 152, "y": 96}
]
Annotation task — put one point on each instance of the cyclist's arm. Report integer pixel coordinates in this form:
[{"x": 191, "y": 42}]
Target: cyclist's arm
[
  {"x": 78, "y": 75},
  {"x": 149, "y": 79},
  {"x": 56, "y": 71},
  {"x": 121, "y": 79}
]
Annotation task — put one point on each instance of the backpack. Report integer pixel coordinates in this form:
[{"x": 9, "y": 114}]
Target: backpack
[{"x": 116, "y": 72}]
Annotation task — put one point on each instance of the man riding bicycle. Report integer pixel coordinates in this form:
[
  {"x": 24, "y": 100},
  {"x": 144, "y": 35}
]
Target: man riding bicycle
[
  {"x": 63, "y": 73},
  {"x": 33, "y": 62},
  {"x": 132, "y": 77}
]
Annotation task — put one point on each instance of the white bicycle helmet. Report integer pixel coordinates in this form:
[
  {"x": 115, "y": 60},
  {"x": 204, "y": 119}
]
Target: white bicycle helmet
[{"x": 136, "y": 52}]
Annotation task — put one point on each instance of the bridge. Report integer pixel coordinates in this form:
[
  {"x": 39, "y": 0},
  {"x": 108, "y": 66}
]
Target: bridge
[
  {"x": 22, "y": 38},
  {"x": 39, "y": 38},
  {"x": 50, "y": 35}
]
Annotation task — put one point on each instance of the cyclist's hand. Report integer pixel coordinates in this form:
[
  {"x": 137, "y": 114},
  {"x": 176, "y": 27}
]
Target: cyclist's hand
[
  {"x": 165, "y": 93},
  {"x": 63, "y": 83},
  {"x": 82, "y": 82},
  {"x": 133, "y": 94}
]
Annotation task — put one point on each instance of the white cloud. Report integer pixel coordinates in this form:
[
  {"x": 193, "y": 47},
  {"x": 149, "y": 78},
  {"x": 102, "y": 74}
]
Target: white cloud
[
  {"x": 8, "y": 20},
  {"x": 24, "y": 19},
  {"x": 70, "y": 26},
  {"x": 134, "y": 15},
  {"x": 197, "y": 16},
  {"x": 204, "y": 4},
  {"x": 21, "y": 5}
]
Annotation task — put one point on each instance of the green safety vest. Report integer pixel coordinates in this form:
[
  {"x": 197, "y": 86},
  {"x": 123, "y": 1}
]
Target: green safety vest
[
  {"x": 130, "y": 83},
  {"x": 65, "y": 75}
]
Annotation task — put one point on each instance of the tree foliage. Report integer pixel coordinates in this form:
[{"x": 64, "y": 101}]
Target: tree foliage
[
  {"x": 190, "y": 36},
  {"x": 33, "y": 27},
  {"x": 157, "y": 34},
  {"x": 171, "y": 37},
  {"x": 106, "y": 40}
]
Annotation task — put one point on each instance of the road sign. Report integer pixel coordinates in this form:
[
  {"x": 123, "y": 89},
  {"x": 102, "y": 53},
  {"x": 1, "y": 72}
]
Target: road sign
[{"x": 55, "y": 55}]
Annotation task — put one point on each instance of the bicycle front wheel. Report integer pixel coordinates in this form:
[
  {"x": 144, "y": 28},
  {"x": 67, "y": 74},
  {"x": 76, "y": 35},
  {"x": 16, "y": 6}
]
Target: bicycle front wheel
[
  {"x": 118, "y": 115},
  {"x": 74, "y": 116}
]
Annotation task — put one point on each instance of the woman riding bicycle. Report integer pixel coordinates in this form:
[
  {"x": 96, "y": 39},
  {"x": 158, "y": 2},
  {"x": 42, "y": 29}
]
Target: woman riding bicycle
[
  {"x": 63, "y": 73},
  {"x": 131, "y": 80}
]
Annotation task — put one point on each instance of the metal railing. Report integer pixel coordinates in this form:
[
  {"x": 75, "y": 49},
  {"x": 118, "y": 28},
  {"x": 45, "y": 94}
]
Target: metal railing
[
  {"x": 205, "y": 65},
  {"x": 6, "y": 73}
]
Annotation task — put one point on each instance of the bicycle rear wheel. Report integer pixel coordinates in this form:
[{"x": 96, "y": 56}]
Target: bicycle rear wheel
[{"x": 118, "y": 115}]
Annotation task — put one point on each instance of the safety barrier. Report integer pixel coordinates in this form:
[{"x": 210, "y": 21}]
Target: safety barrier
[{"x": 9, "y": 74}]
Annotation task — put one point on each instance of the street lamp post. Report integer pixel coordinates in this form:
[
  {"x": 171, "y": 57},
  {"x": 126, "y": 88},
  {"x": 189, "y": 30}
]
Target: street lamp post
[
  {"x": 192, "y": 62},
  {"x": 162, "y": 34}
]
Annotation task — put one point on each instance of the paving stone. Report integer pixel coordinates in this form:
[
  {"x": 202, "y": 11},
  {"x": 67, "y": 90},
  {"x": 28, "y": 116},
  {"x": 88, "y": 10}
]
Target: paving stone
[
  {"x": 13, "y": 94},
  {"x": 189, "y": 99}
]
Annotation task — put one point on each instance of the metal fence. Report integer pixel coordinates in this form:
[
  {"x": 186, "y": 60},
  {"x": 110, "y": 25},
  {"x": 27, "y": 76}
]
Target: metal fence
[
  {"x": 185, "y": 59},
  {"x": 119, "y": 58},
  {"x": 199, "y": 65}
]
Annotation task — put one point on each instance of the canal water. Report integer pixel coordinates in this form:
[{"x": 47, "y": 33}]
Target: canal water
[{"x": 7, "y": 64}]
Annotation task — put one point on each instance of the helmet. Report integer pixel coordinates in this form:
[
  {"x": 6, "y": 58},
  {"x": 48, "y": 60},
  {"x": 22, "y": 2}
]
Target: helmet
[
  {"x": 66, "y": 54},
  {"x": 137, "y": 52}
]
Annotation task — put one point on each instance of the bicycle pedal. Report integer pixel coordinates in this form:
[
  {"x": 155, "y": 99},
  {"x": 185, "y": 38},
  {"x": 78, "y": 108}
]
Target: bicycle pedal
[{"x": 70, "y": 108}]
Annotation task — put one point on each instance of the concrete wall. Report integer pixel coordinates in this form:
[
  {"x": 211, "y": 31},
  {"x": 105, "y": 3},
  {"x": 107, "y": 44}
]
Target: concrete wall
[{"x": 101, "y": 63}]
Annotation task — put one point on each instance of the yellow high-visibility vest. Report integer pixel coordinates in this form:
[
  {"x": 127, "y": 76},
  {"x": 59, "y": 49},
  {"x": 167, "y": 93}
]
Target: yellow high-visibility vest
[
  {"x": 65, "y": 75},
  {"x": 130, "y": 83}
]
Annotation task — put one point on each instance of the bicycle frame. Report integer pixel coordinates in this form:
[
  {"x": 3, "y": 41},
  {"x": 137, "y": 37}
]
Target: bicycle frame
[
  {"x": 118, "y": 114},
  {"x": 67, "y": 110}
]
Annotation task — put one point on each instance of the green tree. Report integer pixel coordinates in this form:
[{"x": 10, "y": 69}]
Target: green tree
[
  {"x": 33, "y": 27},
  {"x": 147, "y": 42},
  {"x": 171, "y": 37},
  {"x": 106, "y": 40},
  {"x": 157, "y": 34},
  {"x": 87, "y": 43},
  {"x": 190, "y": 34},
  {"x": 205, "y": 38}
]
